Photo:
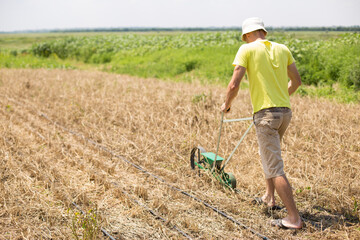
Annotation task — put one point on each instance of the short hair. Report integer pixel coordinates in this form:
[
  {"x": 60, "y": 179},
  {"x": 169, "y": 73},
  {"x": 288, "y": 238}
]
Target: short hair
[
  {"x": 259, "y": 30},
  {"x": 262, "y": 30}
]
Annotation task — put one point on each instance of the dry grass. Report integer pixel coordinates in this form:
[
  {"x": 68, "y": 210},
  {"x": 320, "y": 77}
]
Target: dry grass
[{"x": 155, "y": 124}]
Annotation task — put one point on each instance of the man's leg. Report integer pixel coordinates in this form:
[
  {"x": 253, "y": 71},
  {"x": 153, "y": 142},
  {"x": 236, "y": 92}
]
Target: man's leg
[
  {"x": 284, "y": 190},
  {"x": 267, "y": 125},
  {"x": 283, "y": 187},
  {"x": 269, "y": 196},
  {"x": 270, "y": 127}
]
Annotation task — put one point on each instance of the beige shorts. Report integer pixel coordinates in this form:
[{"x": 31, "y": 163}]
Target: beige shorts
[{"x": 270, "y": 127}]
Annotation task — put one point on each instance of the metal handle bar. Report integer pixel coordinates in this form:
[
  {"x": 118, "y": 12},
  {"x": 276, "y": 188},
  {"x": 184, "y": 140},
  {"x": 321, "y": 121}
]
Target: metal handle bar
[
  {"x": 218, "y": 142},
  {"x": 242, "y": 138},
  {"x": 237, "y": 120}
]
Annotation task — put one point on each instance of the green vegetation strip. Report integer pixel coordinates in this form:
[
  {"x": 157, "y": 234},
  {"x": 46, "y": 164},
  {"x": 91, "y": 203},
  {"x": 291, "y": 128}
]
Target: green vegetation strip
[{"x": 329, "y": 64}]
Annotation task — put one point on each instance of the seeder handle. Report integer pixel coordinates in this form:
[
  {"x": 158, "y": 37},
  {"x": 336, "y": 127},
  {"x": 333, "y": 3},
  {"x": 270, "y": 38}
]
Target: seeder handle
[
  {"x": 218, "y": 142},
  {"x": 242, "y": 138}
]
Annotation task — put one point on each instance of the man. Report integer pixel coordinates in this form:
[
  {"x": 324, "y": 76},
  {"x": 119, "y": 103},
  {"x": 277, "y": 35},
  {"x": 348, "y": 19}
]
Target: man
[{"x": 268, "y": 66}]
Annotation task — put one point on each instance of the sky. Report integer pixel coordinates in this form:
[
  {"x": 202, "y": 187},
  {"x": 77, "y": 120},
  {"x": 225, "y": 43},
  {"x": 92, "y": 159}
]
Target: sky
[{"x": 20, "y": 15}]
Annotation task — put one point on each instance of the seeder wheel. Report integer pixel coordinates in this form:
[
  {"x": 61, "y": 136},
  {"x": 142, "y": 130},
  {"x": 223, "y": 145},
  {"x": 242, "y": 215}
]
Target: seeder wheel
[
  {"x": 196, "y": 156},
  {"x": 230, "y": 180}
]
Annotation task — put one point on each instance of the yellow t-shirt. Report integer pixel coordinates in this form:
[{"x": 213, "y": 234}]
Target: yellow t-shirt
[{"x": 266, "y": 65}]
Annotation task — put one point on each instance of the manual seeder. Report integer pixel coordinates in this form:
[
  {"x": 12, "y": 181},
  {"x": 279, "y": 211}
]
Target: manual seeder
[{"x": 212, "y": 162}]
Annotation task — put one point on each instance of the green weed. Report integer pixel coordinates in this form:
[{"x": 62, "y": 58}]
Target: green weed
[
  {"x": 8, "y": 60},
  {"x": 9, "y": 108},
  {"x": 199, "y": 98},
  {"x": 356, "y": 206},
  {"x": 86, "y": 226}
]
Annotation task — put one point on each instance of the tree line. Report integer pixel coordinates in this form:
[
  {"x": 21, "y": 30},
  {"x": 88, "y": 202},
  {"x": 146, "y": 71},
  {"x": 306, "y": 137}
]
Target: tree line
[{"x": 189, "y": 29}]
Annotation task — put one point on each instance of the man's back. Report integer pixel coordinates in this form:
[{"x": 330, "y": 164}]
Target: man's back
[{"x": 266, "y": 64}]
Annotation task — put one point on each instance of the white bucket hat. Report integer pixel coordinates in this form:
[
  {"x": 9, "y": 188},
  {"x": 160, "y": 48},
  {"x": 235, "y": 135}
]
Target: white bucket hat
[{"x": 252, "y": 24}]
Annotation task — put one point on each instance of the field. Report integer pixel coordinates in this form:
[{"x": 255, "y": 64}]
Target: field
[
  {"x": 327, "y": 61},
  {"x": 68, "y": 137}
]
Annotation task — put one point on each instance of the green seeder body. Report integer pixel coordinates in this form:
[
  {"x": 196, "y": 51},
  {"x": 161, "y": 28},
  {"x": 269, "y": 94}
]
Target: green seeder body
[
  {"x": 206, "y": 160},
  {"x": 209, "y": 158},
  {"x": 207, "y": 163}
]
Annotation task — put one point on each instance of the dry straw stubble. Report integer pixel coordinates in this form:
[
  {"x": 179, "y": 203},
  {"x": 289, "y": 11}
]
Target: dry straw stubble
[{"x": 155, "y": 124}]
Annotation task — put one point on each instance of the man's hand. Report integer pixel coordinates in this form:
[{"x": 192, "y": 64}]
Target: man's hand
[{"x": 225, "y": 108}]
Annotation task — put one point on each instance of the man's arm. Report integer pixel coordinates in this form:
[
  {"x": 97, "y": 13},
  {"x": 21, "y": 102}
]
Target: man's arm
[
  {"x": 295, "y": 79},
  {"x": 233, "y": 86}
]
